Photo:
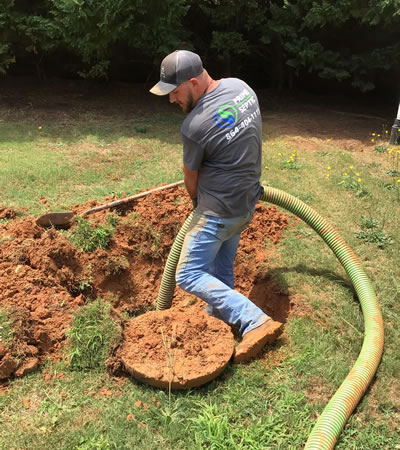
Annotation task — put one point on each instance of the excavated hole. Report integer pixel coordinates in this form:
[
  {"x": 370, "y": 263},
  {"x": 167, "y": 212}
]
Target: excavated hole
[{"x": 45, "y": 278}]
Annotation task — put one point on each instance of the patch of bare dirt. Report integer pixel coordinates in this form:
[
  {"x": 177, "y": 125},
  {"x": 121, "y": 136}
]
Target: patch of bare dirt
[{"x": 44, "y": 278}]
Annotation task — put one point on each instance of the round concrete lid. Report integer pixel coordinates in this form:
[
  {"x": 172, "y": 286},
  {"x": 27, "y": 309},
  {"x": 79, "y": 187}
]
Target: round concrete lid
[{"x": 175, "y": 349}]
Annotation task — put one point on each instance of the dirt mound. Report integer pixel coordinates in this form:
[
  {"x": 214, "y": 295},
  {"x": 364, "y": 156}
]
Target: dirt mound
[
  {"x": 44, "y": 277},
  {"x": 176, "y": 348}
]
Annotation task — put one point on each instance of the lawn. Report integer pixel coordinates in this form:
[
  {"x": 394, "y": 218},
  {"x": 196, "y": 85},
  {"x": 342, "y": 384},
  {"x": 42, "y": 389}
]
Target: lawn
[{"x": 72, "y": 147}]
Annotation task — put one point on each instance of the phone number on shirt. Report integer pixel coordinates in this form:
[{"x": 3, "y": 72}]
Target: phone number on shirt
[{"x": 242, "y": 125}]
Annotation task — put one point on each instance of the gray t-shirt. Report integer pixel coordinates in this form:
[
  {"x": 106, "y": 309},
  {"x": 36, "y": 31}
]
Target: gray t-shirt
[{"x": 222, "y": 140}]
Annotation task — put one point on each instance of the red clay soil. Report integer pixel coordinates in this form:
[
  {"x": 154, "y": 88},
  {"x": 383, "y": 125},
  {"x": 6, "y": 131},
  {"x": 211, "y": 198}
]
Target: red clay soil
[
  {"x": 44, "y": 278},
  {"x": 172, "y": 349}
]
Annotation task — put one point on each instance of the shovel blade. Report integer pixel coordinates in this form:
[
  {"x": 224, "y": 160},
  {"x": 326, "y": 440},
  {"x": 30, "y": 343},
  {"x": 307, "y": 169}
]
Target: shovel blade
[{"x": 57, "y": 220}]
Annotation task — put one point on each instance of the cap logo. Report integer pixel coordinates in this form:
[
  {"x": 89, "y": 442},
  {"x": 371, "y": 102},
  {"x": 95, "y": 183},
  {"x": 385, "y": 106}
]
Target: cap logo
[{"x": 162, "y": 73}]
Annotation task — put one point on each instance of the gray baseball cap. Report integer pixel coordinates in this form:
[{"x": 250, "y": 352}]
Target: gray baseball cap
[{"x": 176, "y": 68}]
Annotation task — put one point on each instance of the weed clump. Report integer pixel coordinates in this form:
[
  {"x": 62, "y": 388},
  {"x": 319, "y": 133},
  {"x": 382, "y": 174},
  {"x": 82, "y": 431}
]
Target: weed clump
[
  {"x": 88, "y": 238},
  {"x": 116, "y": 265},
  {"x": 92, "y": 335},
  {"x": 372, "y": 233},
  {"x": 380, "y": 149}
]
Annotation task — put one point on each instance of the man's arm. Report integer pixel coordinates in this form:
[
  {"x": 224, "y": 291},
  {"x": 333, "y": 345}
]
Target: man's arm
[{"x": 190, "y": 177}]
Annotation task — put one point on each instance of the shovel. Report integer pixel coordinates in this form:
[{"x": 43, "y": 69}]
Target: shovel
[{"x": 64, "y": 219}]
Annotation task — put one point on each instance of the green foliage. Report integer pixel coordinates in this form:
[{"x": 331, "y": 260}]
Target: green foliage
[
  {"x": 88, "y": 29},
  {"x": 92, "y": 335},
  {"x": 368, "y": 223},
  {"x": 291, "y": 162},
  {"x": 6, "y": 54},
  {"x": 393, "y": 173},
  {"x": 141, "y": 128},
  {"x": 353, "y": 185},
  {"x": 94, "y": 443},
  {"x": 371, "y": 233},
  {"x": 375, "y": 237},
  {"x": 286, "y": 39},
  {"x": 115, "y": 265},
  {"x": 93, "y": 29},
  {"x": 88, "y": 237},
  {"x": 5, "y": 58},
  {"x": 380, "y": 149},
  {"x": 84, "y": 286},
  {"x": 352, "y": 181},
  {"x": 6, "y": 330}
]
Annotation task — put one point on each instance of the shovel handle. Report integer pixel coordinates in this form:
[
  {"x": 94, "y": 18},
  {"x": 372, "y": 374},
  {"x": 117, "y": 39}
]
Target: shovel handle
[{"x": 129, "y": 199}]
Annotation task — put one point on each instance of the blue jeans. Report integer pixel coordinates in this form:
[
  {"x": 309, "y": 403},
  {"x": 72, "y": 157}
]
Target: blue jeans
[{"x": 205, "y": 269}]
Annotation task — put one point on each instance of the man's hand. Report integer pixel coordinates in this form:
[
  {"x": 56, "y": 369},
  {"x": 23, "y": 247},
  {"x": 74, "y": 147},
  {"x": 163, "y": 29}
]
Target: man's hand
[{"x": 194, "y": 202}]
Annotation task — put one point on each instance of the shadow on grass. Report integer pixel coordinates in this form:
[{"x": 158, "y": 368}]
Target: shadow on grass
[{"x": 277, "y": 275}]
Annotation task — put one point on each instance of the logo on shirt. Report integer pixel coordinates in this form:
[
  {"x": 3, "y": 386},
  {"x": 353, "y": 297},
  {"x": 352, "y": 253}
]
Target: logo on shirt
[{"x": 226, "y": 116}]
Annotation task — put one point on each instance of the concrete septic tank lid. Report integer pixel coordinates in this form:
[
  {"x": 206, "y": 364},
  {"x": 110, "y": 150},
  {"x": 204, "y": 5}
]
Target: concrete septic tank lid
[{"x": 177, "y": 348}]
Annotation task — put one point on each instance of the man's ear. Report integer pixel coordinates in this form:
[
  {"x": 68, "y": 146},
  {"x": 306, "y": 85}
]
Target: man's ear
[{"x": 194, "y": 82}]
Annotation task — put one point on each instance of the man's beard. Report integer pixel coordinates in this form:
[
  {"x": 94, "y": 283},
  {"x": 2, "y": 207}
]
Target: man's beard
[{"x": 189, "y": 105}]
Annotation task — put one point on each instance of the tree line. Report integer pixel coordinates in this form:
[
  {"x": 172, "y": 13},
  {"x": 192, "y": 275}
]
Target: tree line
[{"x": 276, "y": 43}]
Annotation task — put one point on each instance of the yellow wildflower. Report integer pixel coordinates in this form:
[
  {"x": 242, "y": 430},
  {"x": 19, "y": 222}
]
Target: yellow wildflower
[
  {"x": 329, "y": 167},
  {"x": 372, "y": 140},
  {"x": 350, "y": 167},
  {"x": 359, "y": 180}
]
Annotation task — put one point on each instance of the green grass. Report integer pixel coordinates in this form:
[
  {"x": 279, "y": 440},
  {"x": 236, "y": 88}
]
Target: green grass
[
  {"x": 92, "y": 336},
  {"x": 85, "y": 159},
  {"x": 6, "y": 329},
  {"x": 249, "y": 406},
  {"x": 88, "y": 237}
]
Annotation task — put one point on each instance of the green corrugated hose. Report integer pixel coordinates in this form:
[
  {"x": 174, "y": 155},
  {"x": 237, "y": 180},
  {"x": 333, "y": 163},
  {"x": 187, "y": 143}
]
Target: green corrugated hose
[
  {"x": 342, "y": 404},
  {"x": 167, "y": 286}
]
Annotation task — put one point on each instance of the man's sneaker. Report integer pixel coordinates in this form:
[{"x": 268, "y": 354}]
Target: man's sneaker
[{"x": 254, "y": 341}]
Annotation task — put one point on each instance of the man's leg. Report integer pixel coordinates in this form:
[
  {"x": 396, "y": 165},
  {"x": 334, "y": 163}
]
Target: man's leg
[
  {"x": 222, "y": 268},
  {"x": 202, "y": 265}
]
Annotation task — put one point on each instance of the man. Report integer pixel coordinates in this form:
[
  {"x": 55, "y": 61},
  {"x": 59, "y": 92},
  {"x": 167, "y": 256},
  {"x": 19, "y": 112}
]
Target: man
[{"x": 222, "y": 167}]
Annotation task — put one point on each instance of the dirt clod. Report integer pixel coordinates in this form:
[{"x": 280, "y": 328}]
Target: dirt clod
[{"x": 8, "y": 366}]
